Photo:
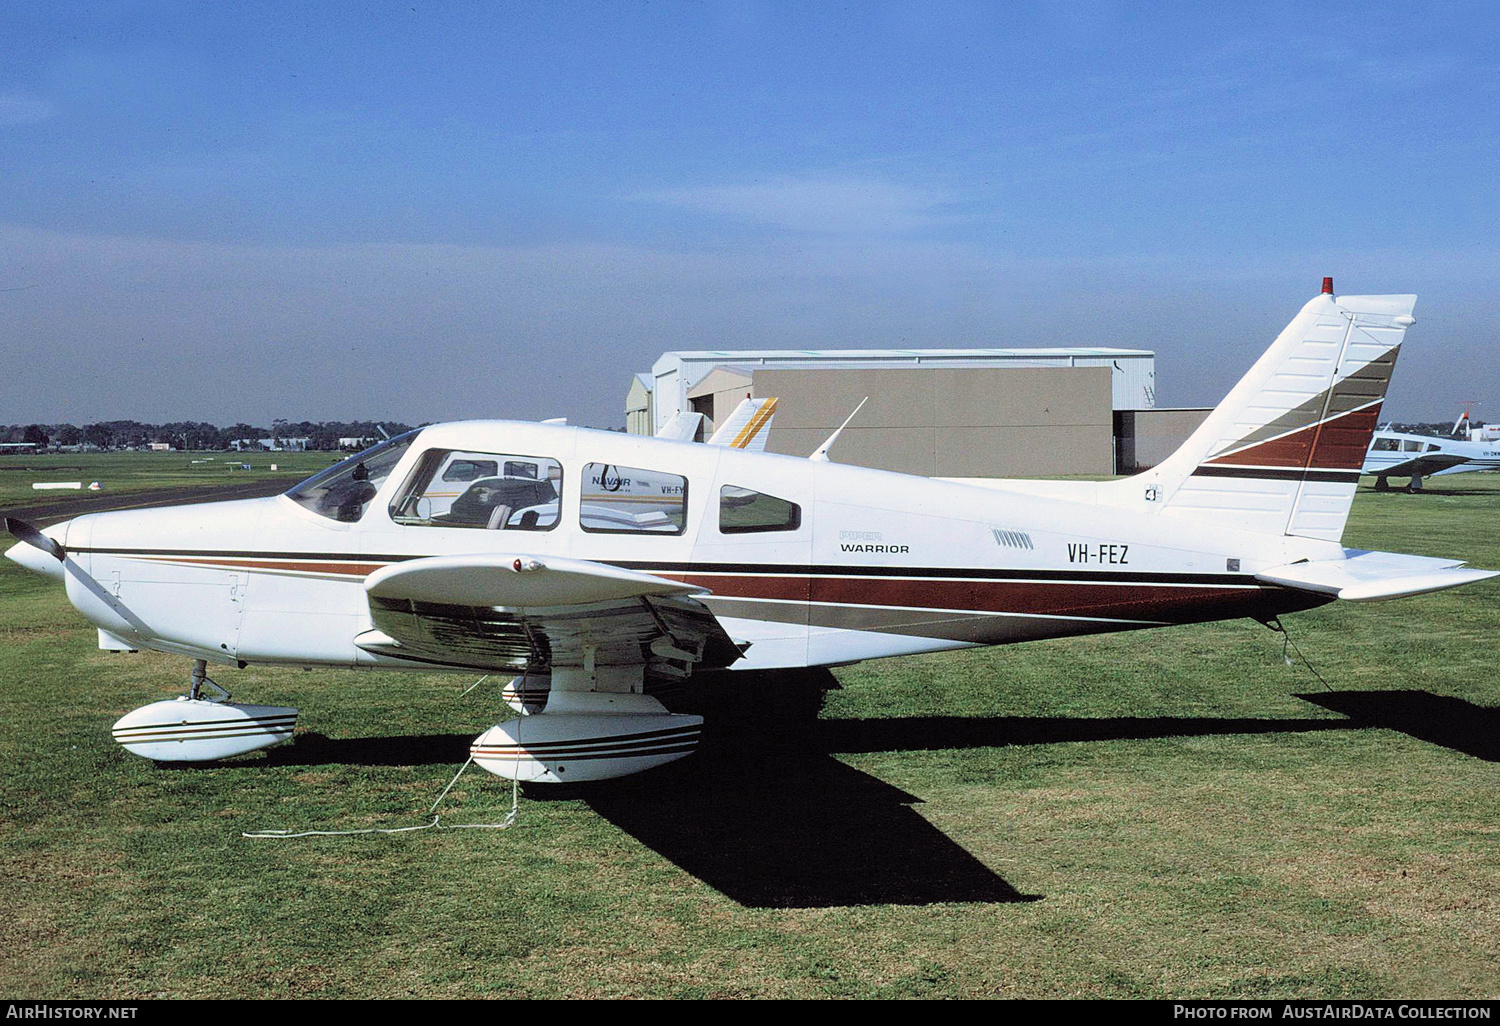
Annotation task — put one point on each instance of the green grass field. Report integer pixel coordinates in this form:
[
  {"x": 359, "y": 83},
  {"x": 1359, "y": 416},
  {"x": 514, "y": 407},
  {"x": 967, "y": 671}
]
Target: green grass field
[
  {"x": 131, "y": 472},
  {"x": 1170, "y": 814}
]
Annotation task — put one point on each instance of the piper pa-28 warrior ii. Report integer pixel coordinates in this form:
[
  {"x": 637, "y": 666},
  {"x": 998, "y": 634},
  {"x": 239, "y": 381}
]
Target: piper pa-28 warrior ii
[
  {"x": 1396, "y": 454},
  {"x": 598, "y": 567}
]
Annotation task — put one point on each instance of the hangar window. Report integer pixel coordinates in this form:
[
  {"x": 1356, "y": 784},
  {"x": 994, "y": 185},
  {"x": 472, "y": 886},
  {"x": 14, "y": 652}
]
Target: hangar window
[
  {"x": 512, "y": 493},
  {"x": 743, "y": 510},
  {"x": 632, "y": 501},
  {"x": 344, "y": 490}
]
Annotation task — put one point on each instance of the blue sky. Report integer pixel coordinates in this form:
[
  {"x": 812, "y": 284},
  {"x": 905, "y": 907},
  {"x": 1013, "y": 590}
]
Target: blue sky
[{"x": 432, "y": 211}]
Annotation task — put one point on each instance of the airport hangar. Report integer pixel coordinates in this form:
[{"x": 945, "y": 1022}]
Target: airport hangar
[{"x": 934, "y": 412}]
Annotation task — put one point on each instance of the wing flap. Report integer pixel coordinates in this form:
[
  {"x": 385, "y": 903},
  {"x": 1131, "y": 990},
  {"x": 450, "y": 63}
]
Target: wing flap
[{"x": 1365, "y": 576}]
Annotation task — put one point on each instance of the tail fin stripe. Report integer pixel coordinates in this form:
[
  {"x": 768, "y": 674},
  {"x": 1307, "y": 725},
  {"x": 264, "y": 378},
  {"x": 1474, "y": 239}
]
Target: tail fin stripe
[
  {"x": 1303, "y": 447},
  {"x": 1360, "y": 387},
  {"x": 765, "y": 413},
  {"x": 1280, "y": 474},
  {"x": 1343, "y": 441}
]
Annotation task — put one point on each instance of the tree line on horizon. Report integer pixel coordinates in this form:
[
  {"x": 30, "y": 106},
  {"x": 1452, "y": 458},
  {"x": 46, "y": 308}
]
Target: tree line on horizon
[
  {"x": 126, "y": 434},
  {"x": 320, "y": 435}
]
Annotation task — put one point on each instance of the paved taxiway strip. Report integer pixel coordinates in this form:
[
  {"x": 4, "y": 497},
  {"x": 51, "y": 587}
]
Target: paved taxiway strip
[{"x": 52, "y": 512}]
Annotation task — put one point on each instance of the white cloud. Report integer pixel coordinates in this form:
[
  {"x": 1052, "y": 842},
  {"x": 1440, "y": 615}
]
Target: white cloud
[
  {"x": 19, "y": 109},
  {"x": 838, "y": 206}
]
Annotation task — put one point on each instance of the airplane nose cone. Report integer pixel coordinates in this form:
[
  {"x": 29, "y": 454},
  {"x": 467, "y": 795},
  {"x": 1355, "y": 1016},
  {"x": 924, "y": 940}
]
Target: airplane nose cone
[{"x": 33, "y": 558}]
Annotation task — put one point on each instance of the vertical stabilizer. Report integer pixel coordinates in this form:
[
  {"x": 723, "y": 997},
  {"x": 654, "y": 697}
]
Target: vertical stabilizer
[
  {"x": 1282, "y": 453},
  {"x": 748, "y": 426},
  {"x": 683, "y": 427}
]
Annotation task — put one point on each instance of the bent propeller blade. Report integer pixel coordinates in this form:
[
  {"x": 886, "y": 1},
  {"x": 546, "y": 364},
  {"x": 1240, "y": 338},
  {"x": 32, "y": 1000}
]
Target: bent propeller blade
[{"x": 36, "y": 539}]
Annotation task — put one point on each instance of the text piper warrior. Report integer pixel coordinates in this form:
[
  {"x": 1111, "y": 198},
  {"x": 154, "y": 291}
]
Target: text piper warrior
[{"x": 595, "y": 566}]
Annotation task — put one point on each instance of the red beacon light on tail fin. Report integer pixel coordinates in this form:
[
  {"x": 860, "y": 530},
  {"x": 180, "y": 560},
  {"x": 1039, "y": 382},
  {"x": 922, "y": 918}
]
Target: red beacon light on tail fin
[{"x": 1327, "y": 286}]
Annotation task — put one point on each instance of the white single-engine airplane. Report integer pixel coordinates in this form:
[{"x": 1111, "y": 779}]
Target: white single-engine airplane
[
  {"x": 598, "y": 567},
  {"x": 1397, "y": 454}
]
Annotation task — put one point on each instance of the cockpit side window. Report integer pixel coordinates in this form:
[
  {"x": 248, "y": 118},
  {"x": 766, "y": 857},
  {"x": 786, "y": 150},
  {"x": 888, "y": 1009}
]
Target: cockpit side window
[
  {"x": 344, "y": 490},
  {"x": 632, "y": 501},
  {"x": 514, "y": 493},
  {"x": 743, "y": 510},
  {"x": 1387, "y": 445}
]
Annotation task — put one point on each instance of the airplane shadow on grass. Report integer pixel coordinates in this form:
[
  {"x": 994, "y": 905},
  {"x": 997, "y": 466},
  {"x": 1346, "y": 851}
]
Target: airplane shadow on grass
[
  {"x": 1440, "y": 491},
  {"x": 1438, "y": 719},
  {"x": 766, "y": 814}
]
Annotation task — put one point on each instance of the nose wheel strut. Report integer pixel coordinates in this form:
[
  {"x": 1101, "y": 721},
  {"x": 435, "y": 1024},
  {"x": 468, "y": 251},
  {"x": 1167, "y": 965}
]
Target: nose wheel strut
[{"x": 199, "y": 680}]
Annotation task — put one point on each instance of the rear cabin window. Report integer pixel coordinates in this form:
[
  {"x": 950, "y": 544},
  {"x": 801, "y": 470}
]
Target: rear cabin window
[
  {"x": 629, "y": 500},
  {"x": 470, "y": 470},
  {"x": 485, "y": 491},
  {"x": 743, "y": 510}
]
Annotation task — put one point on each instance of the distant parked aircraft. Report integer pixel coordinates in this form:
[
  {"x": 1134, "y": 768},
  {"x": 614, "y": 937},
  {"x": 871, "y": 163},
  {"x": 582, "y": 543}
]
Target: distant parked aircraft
[{"x": 1397, "y": 454}]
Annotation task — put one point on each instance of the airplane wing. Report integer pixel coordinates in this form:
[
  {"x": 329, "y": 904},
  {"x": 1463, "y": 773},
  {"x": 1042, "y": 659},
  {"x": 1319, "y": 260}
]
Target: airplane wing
[
  {"x": 1425, "y": 465},
  {"x": 511, "y": 612},
  {"x": 1365, "y": 576},
  {"x": 748, "y": 426}
]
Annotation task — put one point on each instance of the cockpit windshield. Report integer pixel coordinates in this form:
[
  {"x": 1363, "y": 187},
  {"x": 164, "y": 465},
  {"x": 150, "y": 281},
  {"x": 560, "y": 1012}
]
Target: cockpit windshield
[{"x": 344, "y": 490}]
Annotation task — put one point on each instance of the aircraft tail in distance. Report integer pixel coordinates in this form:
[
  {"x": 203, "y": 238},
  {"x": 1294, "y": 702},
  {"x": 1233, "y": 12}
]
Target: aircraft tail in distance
[
  {"x": 748, "y": 426},
  {"x": 683, "y": 427},
  {"x": 1282, "y": 453}
]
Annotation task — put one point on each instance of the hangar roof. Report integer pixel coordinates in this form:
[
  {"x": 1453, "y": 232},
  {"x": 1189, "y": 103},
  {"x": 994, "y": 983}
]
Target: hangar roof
[{"x": 799, "y": 355}]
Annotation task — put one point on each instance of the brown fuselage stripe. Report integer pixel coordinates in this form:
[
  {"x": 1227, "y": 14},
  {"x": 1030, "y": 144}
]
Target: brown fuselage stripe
[
  {"x": 1127, "y": 600},
  {"x": 1131, "y": 601},
  {"x": 342, "y": 569}
]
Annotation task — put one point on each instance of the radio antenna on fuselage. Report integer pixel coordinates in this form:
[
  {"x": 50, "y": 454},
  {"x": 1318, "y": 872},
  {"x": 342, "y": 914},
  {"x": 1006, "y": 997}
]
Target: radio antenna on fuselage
[{"x": 820, "y": 454}]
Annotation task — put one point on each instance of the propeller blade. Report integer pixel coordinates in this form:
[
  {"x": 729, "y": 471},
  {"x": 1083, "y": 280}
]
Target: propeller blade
[{"x": 36, "y": 539}]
